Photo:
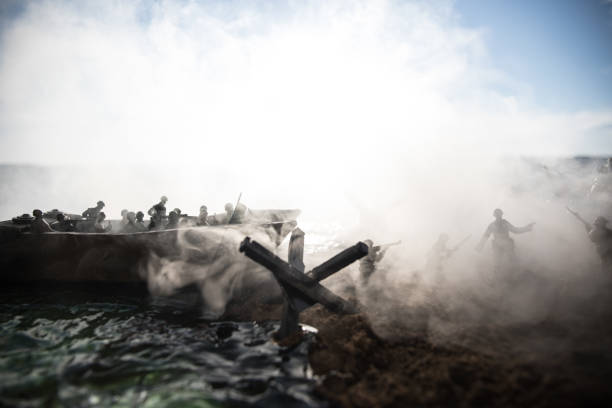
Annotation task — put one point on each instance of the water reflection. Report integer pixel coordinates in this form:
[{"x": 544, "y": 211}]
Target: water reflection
[{"x": 92, "y": 347}]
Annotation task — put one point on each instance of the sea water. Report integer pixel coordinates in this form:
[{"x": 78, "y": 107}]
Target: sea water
[{"x": 91, "y": 346}]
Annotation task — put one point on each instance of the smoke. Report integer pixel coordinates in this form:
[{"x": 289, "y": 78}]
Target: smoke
[
  {"x": 556, "y": 278},
  {"x": 384, "y": 120},
  {"x": 209, "y": 260}
]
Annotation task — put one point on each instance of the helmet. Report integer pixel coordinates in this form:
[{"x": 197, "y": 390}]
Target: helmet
[
  {"x": 497, "y": 213},
  {"x": 37, "y": 213},
  {"x": 100, "y": 203}
]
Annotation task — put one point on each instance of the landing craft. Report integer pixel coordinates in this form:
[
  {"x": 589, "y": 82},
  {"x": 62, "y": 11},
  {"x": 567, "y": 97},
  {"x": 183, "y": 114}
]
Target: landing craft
[{"x": 116, "y": 257}]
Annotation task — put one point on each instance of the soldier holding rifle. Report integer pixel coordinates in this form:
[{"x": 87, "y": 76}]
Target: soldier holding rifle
[
  {"x": 367, "y": 264},
  {"x": 601, "y": 236}
]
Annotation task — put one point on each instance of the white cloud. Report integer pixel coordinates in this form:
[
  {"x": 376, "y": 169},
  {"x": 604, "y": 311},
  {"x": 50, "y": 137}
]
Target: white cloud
[{"x": 92, "y": 82}]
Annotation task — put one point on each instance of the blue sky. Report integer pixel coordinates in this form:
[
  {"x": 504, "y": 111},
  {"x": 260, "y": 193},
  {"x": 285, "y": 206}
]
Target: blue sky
[{"x": 562, "y": 48}]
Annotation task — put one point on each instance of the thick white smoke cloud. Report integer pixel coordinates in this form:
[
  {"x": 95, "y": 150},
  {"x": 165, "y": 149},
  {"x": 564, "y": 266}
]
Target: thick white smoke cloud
[
  {"x": 385, "y": 118},
  {"x": 318, "y": 101},
  {"x": 209, "y": 260}
]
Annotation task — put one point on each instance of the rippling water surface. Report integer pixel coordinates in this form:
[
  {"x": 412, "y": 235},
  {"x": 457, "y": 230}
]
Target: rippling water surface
[{"x": 78, "y": 347}]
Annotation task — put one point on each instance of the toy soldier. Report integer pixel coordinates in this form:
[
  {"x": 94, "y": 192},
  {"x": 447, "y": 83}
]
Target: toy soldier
[
  {"x": 140, "y": 221},
  {"x": 152, "y": 225},
  {"x": 131, "y": 225},
  {"x": 39, "y": 224},
  {"x": 101, "y": 225},
  {"x": 62, "y": 224},
  {"x": 203, "y": 217},
  {"x": 367, "y": 264},
  {"x": 503, "y": 245},
  {"x": 601, "y": 236},
  {"x": 124, "y": 220},
  {"x": 158, "y": 212},
  {"x": 92, "y": 213},
  {"x": 173, "y": 219},
  {"x": 183, "y": 221}
]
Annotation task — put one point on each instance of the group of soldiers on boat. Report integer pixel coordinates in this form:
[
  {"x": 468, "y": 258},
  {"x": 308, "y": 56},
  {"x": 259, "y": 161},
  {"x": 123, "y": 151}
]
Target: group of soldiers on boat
[{"x": 94, "y": 219}]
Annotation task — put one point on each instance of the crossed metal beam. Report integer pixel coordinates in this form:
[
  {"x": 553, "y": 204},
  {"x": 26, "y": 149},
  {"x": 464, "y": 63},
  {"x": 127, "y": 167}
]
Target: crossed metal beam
[{"x": 302, "y": 290}]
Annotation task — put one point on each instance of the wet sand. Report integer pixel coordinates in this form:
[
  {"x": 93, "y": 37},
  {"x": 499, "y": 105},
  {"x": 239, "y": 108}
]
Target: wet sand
[
  {"x": 360, "y": 369},
  {"x": 366, "y": 361}
]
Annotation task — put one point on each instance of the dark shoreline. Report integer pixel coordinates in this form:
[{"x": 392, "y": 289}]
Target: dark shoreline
[{"x": 359, "y": 368}]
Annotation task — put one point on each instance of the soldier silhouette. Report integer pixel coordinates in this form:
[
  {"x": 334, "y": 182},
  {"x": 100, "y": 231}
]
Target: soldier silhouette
[
  {"x": 502, "y": 244},
  {"x": 157, "y": 213},
  {"x": 39, "y": 224},
  {"x": 92, "y": 213},
  {"x": 601, "y": 236}
]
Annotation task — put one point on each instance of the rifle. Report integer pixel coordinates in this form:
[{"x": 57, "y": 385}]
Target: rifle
[
  {"x": 582, "y": 220},
  {"x": 234, "y": 210},
  {"x": 386, "y": 246}
]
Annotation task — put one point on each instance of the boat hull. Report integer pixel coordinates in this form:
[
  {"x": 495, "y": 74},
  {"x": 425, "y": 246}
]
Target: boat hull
[{"x": 90, "y": 257}]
